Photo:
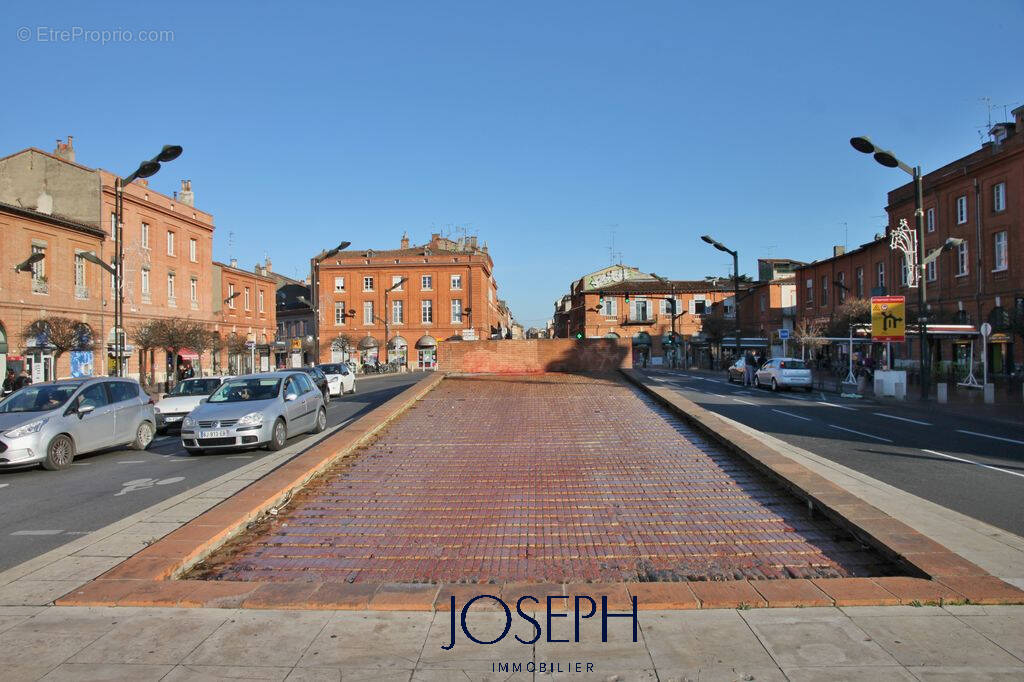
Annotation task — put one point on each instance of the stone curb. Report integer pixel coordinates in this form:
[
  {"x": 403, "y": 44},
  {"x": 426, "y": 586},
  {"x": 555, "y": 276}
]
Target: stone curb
[{"x": 937, "y": 574}]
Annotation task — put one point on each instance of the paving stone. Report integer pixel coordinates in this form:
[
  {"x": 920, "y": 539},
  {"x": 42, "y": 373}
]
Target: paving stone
[
  {"x": 158, "y": 638},
  {"x": 924, "y": 640},
  {"x": 618, "y": 654},
  {"x": 369, "y": 640},
  {"x": 781, "y": 593},
  {"x": 219, "y": 673},
  {"x": 275, "y": 638},
  {"x": 1005, "y": 629},
  {"x": 663, "y": 596},
  {"x": 720, "y": 673},
  {"x": 726, "y": 594},
  {"x": 849, "y": 674},
  {"x": 826, "y": 638},
  {"x": 486, "y": 626},
  {"x": 696, "y": 640},
  {"x": 24, "y": 592},
  {"x": 100, "y": 672},
  {"x": 855, "y": 592},
  {"x": 967, "y": 674}
]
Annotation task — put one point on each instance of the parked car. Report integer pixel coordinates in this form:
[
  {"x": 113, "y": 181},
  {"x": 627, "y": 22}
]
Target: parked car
[
  {"x": 53, "y": 422},
  {"x": 340, "y": 378},
  {"x": 255, "y": 410},
  {"x": 320, "y": 379},
  {"x": 734, "y": 372},
  {"x": 784, "y": 373},
  {"x": 182, "y": 399}
]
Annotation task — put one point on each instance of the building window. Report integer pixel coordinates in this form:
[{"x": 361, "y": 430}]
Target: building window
[
  {"x": 145, "y": 235},
  {"x": 961, "y": 210},
  {"x": 339, "y": 284},
  {"x": 396, "y": 282},
  {"x": 170, "y": 243},
  {"x": 930, "y": 219},
  {"x": 608, "y": 308},
  {"x": 80, "y": 289},
  {"x": 932, "y": 271},
  {"x": 397, "y": 312},
  {"x": 764, "y": 303},
  {"x": 192, "y": 250},
  {"x": 246, "y": 297},
  {"x": 194, "y": 289},
  {"x": 880, "y": 270},
  {"x": 260, "y": 300},
  {"x": 860, "y": 282},
  {"x": 39, "y": 285},
  {"x": 841, "y": 289},
  {"x": 961, "y": 259},
  {"x": 903, "y": 272},
  {"x": 999, "y": 197},
  {"x": 367, "y": 283},
  {"x": 457, "y": 311},
  {"x": 426, "y": 282},
  {"x": 145, "y": 282},
  {"x": 641, "y": 312},
  {"x": 456, "y": 281},
  {"x": 368, "y": 312},
  {"x": 231, "y": 295},
  {"x": 426, "y": 311},
  {"x": 1000, "y": 244},
  {"x": 113, "y": 226},
  {"x": 824, "y": 291},
  {"x": 170, "y": 287},
  {"x": 339, "y": 313},
  {"x": 810, "y": 291}
]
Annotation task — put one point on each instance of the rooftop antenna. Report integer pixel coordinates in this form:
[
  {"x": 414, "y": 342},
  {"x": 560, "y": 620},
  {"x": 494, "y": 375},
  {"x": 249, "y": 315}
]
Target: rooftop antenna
[
  {"x": 846, "y": 234},
  {"x": 231, "y": 245},
  {"x": 613, "y": 254},
  {"x": 768, "y": 250}
]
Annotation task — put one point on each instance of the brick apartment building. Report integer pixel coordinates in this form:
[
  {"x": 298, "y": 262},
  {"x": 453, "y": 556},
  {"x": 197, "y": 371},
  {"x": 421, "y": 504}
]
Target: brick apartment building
[
  {"x": 243, "y": 304},
  {"x": 620, "y": 301},
  {"x": 769, "y": 304},
  {"x": 450, "y": 293},
  {"x": 168, "y": 246},
  {"x": 978, "y": 198}
]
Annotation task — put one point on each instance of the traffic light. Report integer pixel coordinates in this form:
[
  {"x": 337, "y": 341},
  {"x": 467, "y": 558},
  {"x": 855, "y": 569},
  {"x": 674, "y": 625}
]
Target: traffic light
[
  {"x": 627, "y": 299},
  {"x": 579, "y": 335}
]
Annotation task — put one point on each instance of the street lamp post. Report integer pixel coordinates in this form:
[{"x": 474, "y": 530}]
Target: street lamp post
[
  {"x": 888, "y": 159},
  {"x": 672, "y": 292},
  {"x": 169, "y": 152},
  {"x": 314, "y": 288},
  {"x": 735, "y": 282},
  {"x": 387, "y": 314},
  {"x": 27, "y": 264}
]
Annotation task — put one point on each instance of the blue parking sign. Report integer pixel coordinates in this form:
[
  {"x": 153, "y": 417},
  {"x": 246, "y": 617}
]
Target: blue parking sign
[{"x": 783, "y": 334}]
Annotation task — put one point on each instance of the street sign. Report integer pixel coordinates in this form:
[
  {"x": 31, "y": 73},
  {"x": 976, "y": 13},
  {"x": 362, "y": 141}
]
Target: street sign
[
  {"x": 249, "y": 345},
  {"x": 986, "y": 330},
  {"x": 783, "y": 334},
  {"x": 888, "y": 318}
]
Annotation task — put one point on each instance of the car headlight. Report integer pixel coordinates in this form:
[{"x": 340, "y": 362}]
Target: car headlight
[
  {"x": 251, "y": 419},
  {"x": 188, "y": 423},
  {"x": 157, "y": 409},
  {"x": 26, "y": 429}
]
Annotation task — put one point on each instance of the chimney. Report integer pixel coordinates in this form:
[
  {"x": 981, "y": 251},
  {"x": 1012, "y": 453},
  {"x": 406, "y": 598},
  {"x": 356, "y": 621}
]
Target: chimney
[
  {"x": 142, "y": 181},
  {"x": 1018, "y": 117},
  {"x": 186, "y": 196},
  {"x": 405, "y": 240},
  {"x": 838, "y": 250},
  {"x": 65, "y": 150},
  {"x": 234, "y": 262}
]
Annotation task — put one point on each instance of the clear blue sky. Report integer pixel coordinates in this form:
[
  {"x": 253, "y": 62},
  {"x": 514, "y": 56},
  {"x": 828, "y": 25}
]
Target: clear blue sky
[{"x": 539, "y": 125}]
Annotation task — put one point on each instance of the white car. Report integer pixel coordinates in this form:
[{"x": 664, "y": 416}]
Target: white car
[
  {"x": 784, "y": 373},
  {"x": 183, "y": 398},
  {"x": 340, "y": 378}
]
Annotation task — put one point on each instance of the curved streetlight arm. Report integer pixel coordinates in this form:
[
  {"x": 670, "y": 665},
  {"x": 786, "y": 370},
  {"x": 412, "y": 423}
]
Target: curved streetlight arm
[
  {"x": 93, "y": 258},
  {"x": 26, "y": 265}
]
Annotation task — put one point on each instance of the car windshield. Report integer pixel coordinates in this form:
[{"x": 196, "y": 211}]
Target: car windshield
[
  {"x": 41, "y": 398},
  {"x": 333, "y": 369},
  {"x": 792, "y": 364},
  {"x": 195, "y": 387},
  {"x": 243, "y": 390}
]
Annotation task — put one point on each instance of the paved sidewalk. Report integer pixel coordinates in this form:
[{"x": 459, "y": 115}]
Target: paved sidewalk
[{"x": 850, "y": 643}]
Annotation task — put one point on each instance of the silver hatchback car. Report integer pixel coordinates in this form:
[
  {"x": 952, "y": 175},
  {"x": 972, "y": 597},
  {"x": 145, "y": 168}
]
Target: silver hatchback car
[
  {"x": 253, "y": 410},
  {"x": 52, "y": 422}
]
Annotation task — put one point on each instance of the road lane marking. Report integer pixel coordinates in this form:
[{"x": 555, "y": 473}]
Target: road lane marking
[
  {"x": 790, "y": 414},
  {"x": 81, "y": 464},
  {"x": 143, "y": 483},
  {"x": 985, "y": 435},
  {"x": 37, "y": 532},
  {"x": 860, "y": 433},
  {"x": 745, "y": 402},
  {"x": 902, "y": 419},
  {"x": 240, "y": 457},
  {"x": 4, "y": 485},
  {"x": 132, "y": 461},
  {"x": 841, "y": 407},
  {"x": 970, "y": 461}
]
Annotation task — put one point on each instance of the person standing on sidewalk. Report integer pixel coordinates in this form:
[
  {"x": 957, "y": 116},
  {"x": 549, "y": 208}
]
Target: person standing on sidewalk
[{"x": 749, "y": 366}]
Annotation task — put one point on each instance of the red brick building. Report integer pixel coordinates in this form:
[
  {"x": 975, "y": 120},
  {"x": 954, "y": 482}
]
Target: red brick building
[
  {"x": 243, "y": 307},
  {"x": 449, "y": 292}
]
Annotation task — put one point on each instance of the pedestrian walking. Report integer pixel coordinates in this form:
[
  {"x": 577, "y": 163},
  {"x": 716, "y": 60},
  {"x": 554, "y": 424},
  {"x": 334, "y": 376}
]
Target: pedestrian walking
[
  {"x": 749, "y": 367},
  {"x": 9, "y": 382},
  {"x": 22, "y": 380}
]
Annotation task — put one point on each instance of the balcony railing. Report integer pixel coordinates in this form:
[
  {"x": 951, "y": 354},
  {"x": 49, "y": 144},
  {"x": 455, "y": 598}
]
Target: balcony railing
[
  {"x": 650, "y": 318},
  {"x": 81, "y": 292}
]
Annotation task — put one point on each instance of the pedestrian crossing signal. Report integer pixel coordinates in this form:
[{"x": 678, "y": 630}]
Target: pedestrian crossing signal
[{"x": 579, "y": 335}]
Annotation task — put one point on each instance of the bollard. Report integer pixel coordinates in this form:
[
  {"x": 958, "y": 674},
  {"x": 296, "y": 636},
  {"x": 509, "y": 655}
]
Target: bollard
[
  {"x": 942, "y": 392},
  {"x": 990, "y": 393}
]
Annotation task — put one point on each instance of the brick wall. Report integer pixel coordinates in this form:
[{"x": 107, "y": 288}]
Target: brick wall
[{"x": 534, "y": 355}]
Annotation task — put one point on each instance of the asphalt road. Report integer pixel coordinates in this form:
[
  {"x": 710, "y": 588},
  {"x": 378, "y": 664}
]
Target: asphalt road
[
  {"x": 41, "y": 510},
  {"x": 973, "y": 466}
]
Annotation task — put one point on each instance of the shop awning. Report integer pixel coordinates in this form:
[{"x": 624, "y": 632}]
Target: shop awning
[
  {"x": 397, "y": 342},
  {"x": 187, "y": 354},
  {"x": 426, "y": 341},
  {"x": 368, "y": 342},
  {"x": 642, "y": 339}
]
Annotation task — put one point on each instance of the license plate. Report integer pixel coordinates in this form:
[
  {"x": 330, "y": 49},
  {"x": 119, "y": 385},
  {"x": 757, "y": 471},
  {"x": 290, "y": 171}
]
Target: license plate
[
  {"x": 172, "y": 419},
  {"x": 213, "y": 434}
]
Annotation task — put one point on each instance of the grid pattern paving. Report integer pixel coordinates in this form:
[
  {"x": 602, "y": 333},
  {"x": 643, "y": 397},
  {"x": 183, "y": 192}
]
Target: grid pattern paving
[{"x": 542, "y": 478}]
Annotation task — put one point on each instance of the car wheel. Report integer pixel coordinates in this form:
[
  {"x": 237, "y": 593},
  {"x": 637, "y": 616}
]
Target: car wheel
[
  {"x": 278, "y": 436},
  {"x": 321, "y": 421},
  {"x": 775, "y": 385},
  {"x": 59, "y": 453},
  {"x": 353, "y": 387},
  {"x": 194, "y": 451},
  {"x": 327, "y": 397},
  {"x": 143, "y": 436}
]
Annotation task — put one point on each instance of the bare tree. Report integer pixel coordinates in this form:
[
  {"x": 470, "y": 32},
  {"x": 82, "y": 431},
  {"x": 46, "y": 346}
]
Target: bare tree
[
  {"x": 62, "y": 334},
  {"x": 175, "y": 334},
  {"x": 199, "y": 338},
  {"x": 148, "y": 336},
  {"x": 808, "y": 334},
  {"x": 850, "y": 312}
]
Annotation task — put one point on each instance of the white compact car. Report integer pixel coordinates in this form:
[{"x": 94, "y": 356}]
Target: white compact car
[
  {"x": 340, "y": 378},
  {"x": 784, "y": 373},
  {"x": 183, "y": 398}
]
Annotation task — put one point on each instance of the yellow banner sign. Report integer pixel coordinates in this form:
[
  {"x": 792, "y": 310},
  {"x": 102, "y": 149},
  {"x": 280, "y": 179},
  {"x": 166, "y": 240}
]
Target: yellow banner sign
[{"x": 888, "y": 318}]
